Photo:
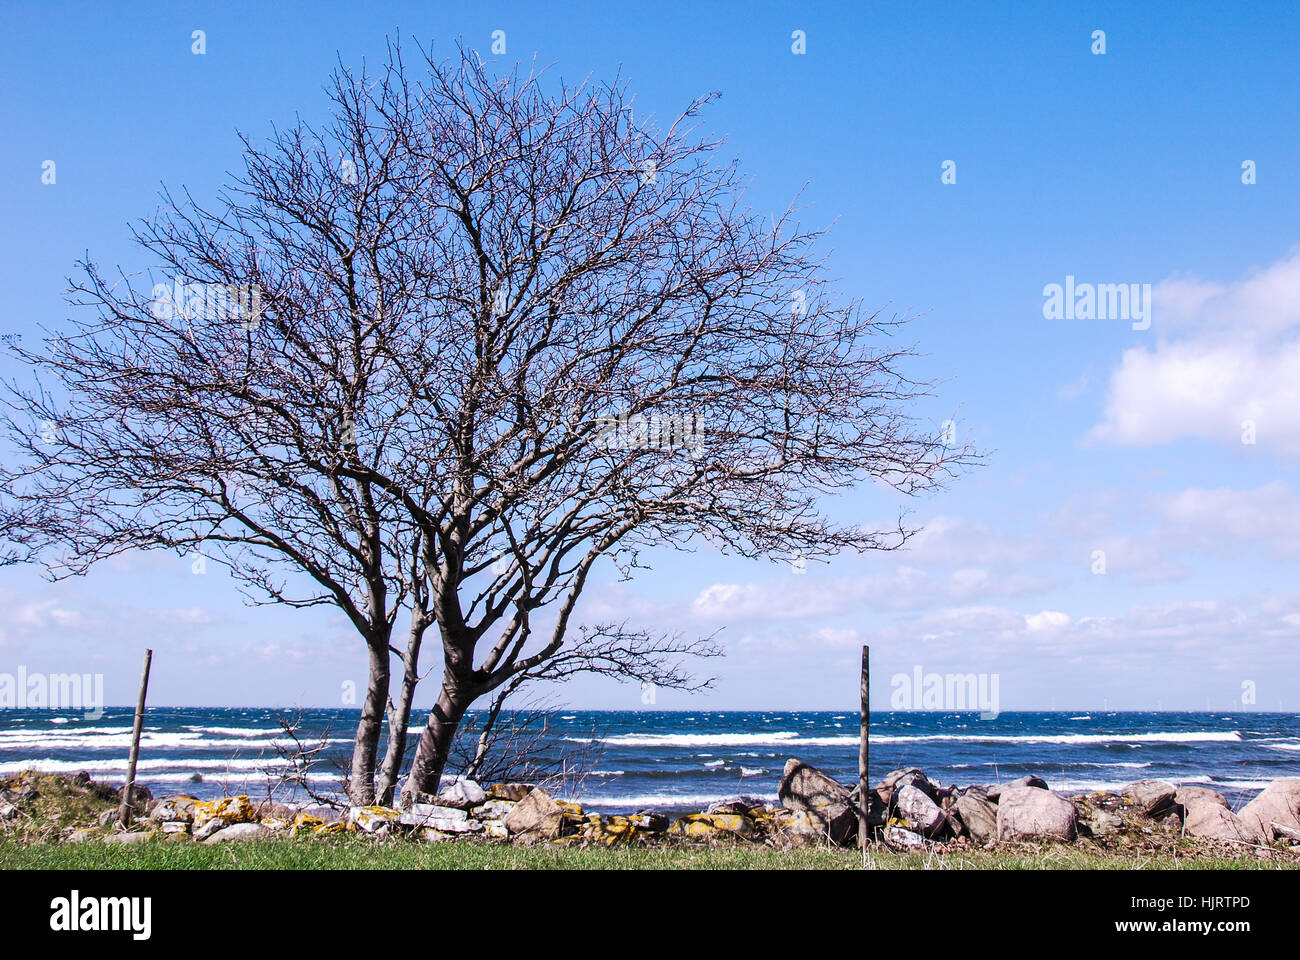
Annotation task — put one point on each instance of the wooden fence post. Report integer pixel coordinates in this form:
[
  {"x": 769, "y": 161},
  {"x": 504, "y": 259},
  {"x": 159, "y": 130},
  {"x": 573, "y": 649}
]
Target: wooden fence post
[
  {"x": 864, "y": 749},
  {"x": 124, "y": 811}
]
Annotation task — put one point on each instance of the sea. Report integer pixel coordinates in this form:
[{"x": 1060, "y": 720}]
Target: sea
[{"x": 678, "y": 761}]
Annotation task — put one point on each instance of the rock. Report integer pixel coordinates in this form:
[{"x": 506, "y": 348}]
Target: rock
[
  {"x": 885, "y": 789},
  {"x": 807, "y": 789},
  {"x": 1103, "y": 823},
  {"x": 877, "y": 810},
  {"x": 373, "y": 818},
  {"x": 208, "y": 828},
  {"x": 994, "y": 793},
  {"x": 613, "y": 831},
  {"x": 172, "y": 808},
  {"x": 230, "y": 809},
  {"x": 21, "y": 795},
  {"x": 462, "y": 794},
  {"x": 1213, "y": 822},
  {"x": 437, "y": 817},
  {"x": 496, "y": 829},
  {"x": 492, "y": 810},
  {"x": 305, "y": 823},
  {"x": 799, "y": 828},
  {"x": 1278, "y": 803},
  {"x": 901, "y": 837},
  {"x": 979, "y": 816},
  {"x": 270, "y": 809},
  {"x": 740, "y": 805},
  {"x": 82, "y": 778},
  {"x": 140, "y": 796},
  {"x": 922, "y": 814},
  {"x": 1028, "y": 812},
  {"x": 127, "y": 838},
  {"x": 239, "y": 831},
  {"x": 8, "y": 811},
  {"x": 535, "y": 819},
  {"x": 1155, "y": 797},
  {"x": 81, "y": 836},
  {"x": 712, "y": 826},
  {"x": 107, "y": 816},
  {"x": 1186, "y": 797},
  {"x": 509, "y": 791},
  {"x": 175, "y": 826}
]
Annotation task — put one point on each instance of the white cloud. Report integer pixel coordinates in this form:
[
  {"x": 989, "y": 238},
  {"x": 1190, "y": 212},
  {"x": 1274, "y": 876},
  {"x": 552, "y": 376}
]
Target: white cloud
[
  {"x": 1047, "y": 620},
  {"x": 1227, "y": 354}
]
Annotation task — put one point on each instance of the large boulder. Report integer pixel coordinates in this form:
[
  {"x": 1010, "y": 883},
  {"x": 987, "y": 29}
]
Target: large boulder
[
  {"x": 922, "y": 814},
  {"x": 979, "y": 817},
  {"x": 1153, "y": 797},
  {"x": 1187, "y": 797},
  {"x": 1028, "y": 813},
  {"x": 536, "y": 818},
  {"x": 1213, "y": 822},
  {"x": 806, "y": 789},
  {"x": 994, "y": 793},
  {"x": 1278, "y": 804}
]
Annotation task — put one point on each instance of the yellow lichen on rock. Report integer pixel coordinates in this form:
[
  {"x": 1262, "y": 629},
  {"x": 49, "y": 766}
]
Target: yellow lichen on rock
[
  {"x": 305, "y": 823},
  {"x": 370, "y": 819},
  {"x": 230, "y": 809},
  {"x": 711, "y": 826}
]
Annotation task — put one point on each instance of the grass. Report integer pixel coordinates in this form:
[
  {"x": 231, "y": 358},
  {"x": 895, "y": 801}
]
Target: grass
[{"x": 353, "y": 853}]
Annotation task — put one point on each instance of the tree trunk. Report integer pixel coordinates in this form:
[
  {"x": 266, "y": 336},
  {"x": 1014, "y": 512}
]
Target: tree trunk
[
  {"x": 361, "y": 782},
  {"x": 435, "y": 739},
  {"x": 399, "y": 721}
]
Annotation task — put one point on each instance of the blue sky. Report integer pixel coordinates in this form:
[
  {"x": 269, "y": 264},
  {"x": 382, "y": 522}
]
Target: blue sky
[{"x": 1117, "y": 168}]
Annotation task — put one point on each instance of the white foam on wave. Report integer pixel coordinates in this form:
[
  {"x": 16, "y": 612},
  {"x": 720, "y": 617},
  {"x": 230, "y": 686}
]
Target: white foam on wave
[
  {"x": 50, "y": 765},
  {"x": 118, "y": 739},
  {"x": 793, "y": 739},
  {"x": 237, "y": 731}
]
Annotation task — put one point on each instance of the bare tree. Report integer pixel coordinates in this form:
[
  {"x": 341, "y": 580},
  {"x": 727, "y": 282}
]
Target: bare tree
[{"x": 488, "y": 330}]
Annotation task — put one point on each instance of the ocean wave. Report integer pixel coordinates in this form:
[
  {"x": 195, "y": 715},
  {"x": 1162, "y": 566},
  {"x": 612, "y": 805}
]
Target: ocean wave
[
  {"x": 788, "y": 738},
  {"x": 50, "y": 765},
  {"x": 237, "y": 731},
  {"x": 28, "y": 739}
]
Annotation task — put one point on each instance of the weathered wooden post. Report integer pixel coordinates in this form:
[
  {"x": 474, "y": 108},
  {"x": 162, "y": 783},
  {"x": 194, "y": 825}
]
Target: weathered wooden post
[
  {"x": 864, "y": 749},
  {"x": 124, "y": 811}
]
